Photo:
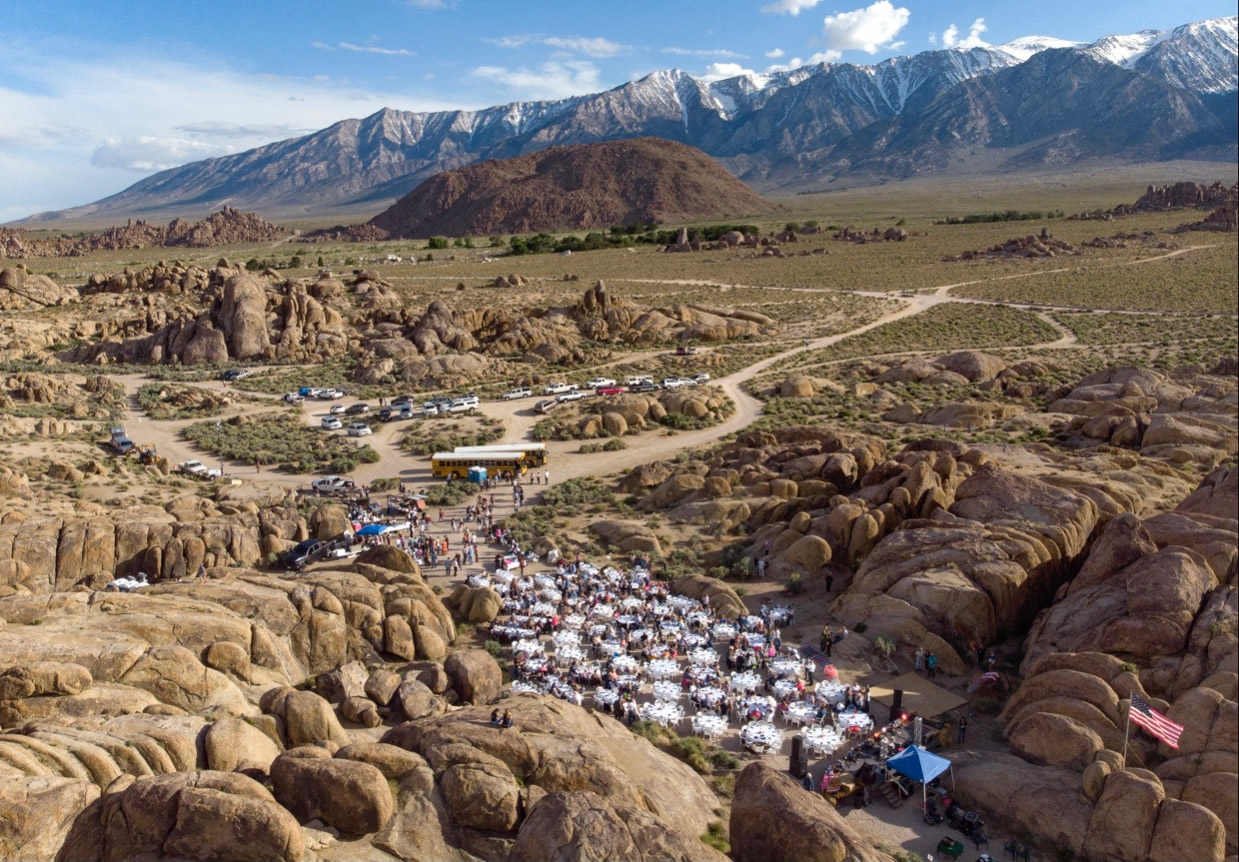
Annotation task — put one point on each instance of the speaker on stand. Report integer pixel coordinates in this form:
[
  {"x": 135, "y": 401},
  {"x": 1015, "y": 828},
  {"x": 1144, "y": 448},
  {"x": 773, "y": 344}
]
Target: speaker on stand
[
  {"x": 799, "y": 765},
  {"x": 896, "y": 705}
]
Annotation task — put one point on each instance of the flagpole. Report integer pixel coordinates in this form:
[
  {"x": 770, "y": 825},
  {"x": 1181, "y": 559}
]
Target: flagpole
[{"x": 1126, "y": 730}]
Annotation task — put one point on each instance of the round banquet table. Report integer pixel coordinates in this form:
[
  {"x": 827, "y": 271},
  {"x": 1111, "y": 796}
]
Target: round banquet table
[
  {"x": 854, "y": 719},
  {"x": 573, "y": 621},
  {"x": 663, "y": 668},
  {"x": 724, "y": 631},
  {"x": 666, "y": 689},
  {"x": 707, "y": 725},
  {"x": 786, "y": 667},
  {"x": 624, "y": 664},
  {"x": 518, "y": 687},
  {"x": 830, "y": 691},
  {"x": 799, "y": 713},
  {"x": 822, "y": 739},
  {"x": 703, "y": 656},
  {"x": 745, "y": 681},
  {"x": 606, "y": 696},
  {"x": 528, "y": 645},
  {"x": 570, "y": 653},
  {"x": 662, "y": 712},
  {"x": 709, "y": 695},
  {"x": 566, "y": 638},
  {"x": 761, "y": 736},
  {"x": 783, "y": 687}
]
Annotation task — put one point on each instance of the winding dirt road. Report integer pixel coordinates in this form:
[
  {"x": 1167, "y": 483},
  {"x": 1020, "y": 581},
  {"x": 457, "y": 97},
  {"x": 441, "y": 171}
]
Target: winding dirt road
[{"x": 566, "y": 462}]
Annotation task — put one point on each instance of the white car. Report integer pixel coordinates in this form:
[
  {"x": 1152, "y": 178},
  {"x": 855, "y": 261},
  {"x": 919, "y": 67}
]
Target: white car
[
  {"x": 329, "y": 394},
  {"x": 600, "y": 383},
  {"x": 702, "y": 378},
  {"x": 557, "y": 388},
  {"x": 637, "y": 381},
  {"x": 294, "y": 397},
  {"x": 463, "y": 405},
  {"x": 673, "y": 382},
  {"x": 574, "y": 395},
  {"x": 336, "y": 409},
  {"x": 332, "y": 423},
  {"x": 359, "y": 429},
  {"x": 519, "y": 392},
  {"x": 198, "y": 470},
  {"x": 331, "y": 483}
]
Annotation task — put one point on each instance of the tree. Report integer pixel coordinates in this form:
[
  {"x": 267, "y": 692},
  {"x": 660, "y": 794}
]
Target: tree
[
  {"x": 295, "y": 263},
  {"x": 437, "y": 242}
]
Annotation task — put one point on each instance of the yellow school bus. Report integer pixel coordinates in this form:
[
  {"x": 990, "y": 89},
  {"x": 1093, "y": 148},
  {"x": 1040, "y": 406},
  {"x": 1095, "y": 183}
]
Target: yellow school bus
[{"x": 444, "y": 464}]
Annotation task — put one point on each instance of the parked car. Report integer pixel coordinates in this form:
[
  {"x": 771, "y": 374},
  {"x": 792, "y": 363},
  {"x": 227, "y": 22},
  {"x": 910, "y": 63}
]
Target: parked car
[
  {"x": 401, "y": 399},
  {"x": 573, "y": 395},
  {"x": 120, "y": 442},
  {"x": 648, "y": 386},
  {"x": 329, "y": 394},
  {"x": 673, "y": 382},
  {"x": 600, "y": 383},
  {"x": 611, "y": 390},
  {"x": 429, "y": 409},
  {"x": 294, "y": 397},
  {"x": 198, "y": 470},
  {"x": 518, "y": 392},
  {"x": 304, "y": 553},
  {"x": 558, "y": 388},
  {"x": 336, "y": 409},
  {"x": 233, "y": 374},
  {"x": 359, "y": 409},
  {"x": 702, "y": 378},
  {"x": 332, "y": 423},
  {"x": 546, "y": 405},
  {"x": 359, "y": 429},
  {"x": 330, "y": 484},
  {"x": 686, "y": 350},
  {"x": 463, "y": 405},
  {"x": 637, "y": 380}
]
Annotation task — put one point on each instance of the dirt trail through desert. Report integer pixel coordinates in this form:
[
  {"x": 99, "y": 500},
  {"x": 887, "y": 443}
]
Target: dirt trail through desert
[{"x": 519, "y": 418}]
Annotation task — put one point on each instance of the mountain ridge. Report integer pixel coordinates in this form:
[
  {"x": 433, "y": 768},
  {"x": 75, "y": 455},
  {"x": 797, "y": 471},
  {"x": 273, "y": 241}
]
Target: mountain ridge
[{"x": 774, "y": 131}]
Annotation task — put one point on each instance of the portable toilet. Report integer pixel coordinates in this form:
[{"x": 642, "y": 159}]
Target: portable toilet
[{"x": 477, "y": 474}]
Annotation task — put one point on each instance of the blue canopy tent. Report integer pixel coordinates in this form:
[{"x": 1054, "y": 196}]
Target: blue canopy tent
[
  {"x": 372, "y": 530},
  {"x": 920, "y": 765}
]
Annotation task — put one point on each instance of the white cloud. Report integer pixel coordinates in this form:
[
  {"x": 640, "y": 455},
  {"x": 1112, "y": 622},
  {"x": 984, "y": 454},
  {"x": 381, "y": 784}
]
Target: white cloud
[
  {"x": 775, "y": 53},
  {"x": 145, "y": 154},
  {"x": 552, "y": 80},
  {"x": 129, "y": 114},
  {"x": 797, "y": 62},
  {"x": 933, "y": 38},
  {"x": 789, "y": 7},
  {"x": 704, "y": 52},
  {"x": 950, "y": 36},
  {"x": 375, "y": 49},
  {"x": 322, "y": 46},
  {"x": 595, "y": 46},
  {"x": 428, "y": 4},
  {"x": 871, "y": 29},
  {"x": 722, "y": 71}
]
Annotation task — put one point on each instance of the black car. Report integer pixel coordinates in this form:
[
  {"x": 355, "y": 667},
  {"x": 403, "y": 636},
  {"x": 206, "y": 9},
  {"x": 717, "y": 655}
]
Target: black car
[
  {"x": 309, "y": 551},
  {"x": 645, "y": 387},
  {"x": 357, "y": 409}
]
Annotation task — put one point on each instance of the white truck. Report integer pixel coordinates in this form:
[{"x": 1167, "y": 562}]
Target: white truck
[{"x": 198, "y": 470}]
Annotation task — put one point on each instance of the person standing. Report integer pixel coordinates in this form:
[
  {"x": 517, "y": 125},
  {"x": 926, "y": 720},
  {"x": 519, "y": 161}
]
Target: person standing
[
  {"x": 919, "y": 661},
  {"x": 931, "y": 665},
  {"x": 963, "y": 728}
]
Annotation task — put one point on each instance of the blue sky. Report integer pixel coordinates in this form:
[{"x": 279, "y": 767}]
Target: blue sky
[{"x": 96, "y": 95}]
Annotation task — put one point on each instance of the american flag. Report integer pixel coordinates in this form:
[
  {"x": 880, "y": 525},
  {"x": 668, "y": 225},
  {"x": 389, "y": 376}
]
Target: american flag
[{"x": 1154, "y": 722}]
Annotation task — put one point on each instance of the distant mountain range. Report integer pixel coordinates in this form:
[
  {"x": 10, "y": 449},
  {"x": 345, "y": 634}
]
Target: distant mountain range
[{"x": 1150, "y": 96}]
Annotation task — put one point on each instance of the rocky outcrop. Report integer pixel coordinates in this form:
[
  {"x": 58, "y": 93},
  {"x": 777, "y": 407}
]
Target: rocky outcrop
[
  {"x": 21, "y": 291},
  {"x": 774, "y": 820}
]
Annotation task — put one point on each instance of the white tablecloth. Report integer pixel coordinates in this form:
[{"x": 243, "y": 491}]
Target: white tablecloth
[
  {"x": 528, "y": 645},
  {"x": 518, "y": 687},
  {"x": 830, "y": 691},
  {"x": 569, "y": 653},
  {"x": 799, "y": 713},
  {"x": 624, "y": 664},
  {"x": 724, "y": 631},
  {"x": 666, "y": 689},
  {"x": 662, "y": 712},
  {"x": 705, "y": 724},
  {"x": 854, "y": 719},
  {"x": 663, "y": 668},
  {"x": 703, "y": 656},
  {"x": 710, "y": 695},
  {"x": 761, "y": 736},
  {"x": 786, "y": 667},
  {"x": 822, "y": 739},
  {"x": 745, "y": 681},
  {"x": 783, "y": 687},
  {"x": 600, "y": 611},
  {"x": 573, "y": 621},
  {"x": 567, "y": 637},
  {"x": 606, "y": 696}
]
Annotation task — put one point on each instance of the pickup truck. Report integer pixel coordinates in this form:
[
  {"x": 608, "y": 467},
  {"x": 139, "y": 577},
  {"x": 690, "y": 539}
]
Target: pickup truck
[
  {"x": 518, "y": 392},
  {"x": 331, "y": 484},
  {"x": 572, "y": 395},
  {"x": 686, "y": 350},
  {"x": 647, "y": 386},
  {"x": 637, "y": 380},
  {"x": 120, "y": 442},
  {"x": 198, "y": 470},
  {"x": 329, "y": 394},
  {"x": 611, "y": 390},
  {"x": 600, "y": 383},
  {"x": 558, "y": 388}
]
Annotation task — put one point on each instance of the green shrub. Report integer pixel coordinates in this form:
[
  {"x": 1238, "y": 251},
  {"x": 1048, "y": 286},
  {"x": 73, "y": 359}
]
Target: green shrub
[
  {"x": 795, "y": 584},
  {"x": 493, "y": 647},
  {"x": 451, "y": 493}
]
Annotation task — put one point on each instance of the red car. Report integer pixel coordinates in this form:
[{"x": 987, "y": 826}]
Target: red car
[{"x": 612, "y": 390}]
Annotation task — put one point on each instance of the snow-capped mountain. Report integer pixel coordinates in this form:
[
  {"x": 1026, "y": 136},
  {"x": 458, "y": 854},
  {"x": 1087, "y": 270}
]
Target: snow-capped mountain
[{"x": 1160, "y": 94}]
